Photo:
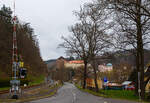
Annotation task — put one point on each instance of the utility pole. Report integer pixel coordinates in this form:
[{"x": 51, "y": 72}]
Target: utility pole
[{"x": 15, "y": 83}]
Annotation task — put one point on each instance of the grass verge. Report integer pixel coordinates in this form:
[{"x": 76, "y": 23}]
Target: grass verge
[
  {"x": 36, "y": 98},
  {"x": 32, "y": 98},
  {"x": 36, "y": 80},
  {"x": 4, "y": 88},
  {"x": 5, "y": 83},
  {"x": 115, "y": 94},
  {"x": 27, "y": 99}
]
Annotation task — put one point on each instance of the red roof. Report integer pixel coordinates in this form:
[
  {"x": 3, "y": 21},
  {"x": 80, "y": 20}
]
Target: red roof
[{"x": 76, "y": 62}]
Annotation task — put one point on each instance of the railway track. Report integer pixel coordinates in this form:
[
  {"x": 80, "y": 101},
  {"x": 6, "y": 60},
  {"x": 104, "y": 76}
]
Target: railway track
[
  {"x": 23, "y": 88},
  {"x": 4, "y": 91}
]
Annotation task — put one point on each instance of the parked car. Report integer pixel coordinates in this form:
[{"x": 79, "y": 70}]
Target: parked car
[
  {"x": 128, "y": 85},
  {"x": 113, "y": 86}
]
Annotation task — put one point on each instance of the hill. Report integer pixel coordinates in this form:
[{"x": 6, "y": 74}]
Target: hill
[
  {"x": 128, "y": 57},
  {"x": 49, "y": 61}
]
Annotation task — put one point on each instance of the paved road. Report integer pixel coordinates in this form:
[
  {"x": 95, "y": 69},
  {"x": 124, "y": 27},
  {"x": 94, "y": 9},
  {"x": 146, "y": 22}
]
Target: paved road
[{"x": 70, "y": 94}]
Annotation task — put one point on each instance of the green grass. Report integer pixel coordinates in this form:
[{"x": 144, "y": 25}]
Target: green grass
[
  {"x": 116, "y": 94},
  {"x": 121, "y": 94},
  {"x": 4, "y": 88},
  {"x": 90, "y": 91},
  {"x": 5, "y": 82},
  {"x": 36, "y": 80}
]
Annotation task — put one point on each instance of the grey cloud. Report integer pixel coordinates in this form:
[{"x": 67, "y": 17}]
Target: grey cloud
[{"x": 50, "y": 20}]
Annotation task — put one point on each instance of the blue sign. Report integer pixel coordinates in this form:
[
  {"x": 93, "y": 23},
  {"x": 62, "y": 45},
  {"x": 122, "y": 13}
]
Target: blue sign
[{"x": 105, "y": 79}]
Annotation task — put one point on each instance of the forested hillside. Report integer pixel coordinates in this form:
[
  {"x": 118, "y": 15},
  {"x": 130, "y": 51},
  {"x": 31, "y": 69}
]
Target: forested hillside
[{"x": 28, "y": 47}]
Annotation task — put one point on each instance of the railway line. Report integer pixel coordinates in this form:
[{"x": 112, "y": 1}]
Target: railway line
[
  {"x": 22, "y": 88},
  {"x": 4, "y": 91}
]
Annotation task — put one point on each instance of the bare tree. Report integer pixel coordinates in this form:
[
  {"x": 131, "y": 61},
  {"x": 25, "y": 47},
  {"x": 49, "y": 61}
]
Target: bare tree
[
  {"x": 89, "y": 38},
  {"x": 133, "y": 29},
  {"x": 97, "y": 37},
  {"x": 77, "y": 45}
]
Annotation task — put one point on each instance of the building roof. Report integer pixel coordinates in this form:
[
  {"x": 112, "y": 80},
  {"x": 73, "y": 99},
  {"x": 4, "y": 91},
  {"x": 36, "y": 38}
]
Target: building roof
[
  {"x": 61, "y": 57},
  {"x": 109, "y": 64},
  {"x": 76, "y": 62}
]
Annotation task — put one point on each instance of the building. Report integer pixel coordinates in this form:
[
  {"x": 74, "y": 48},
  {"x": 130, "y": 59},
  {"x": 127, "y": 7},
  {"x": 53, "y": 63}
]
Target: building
[
  {"x": 60, "y": 62},
  {"x": 74, "y": 64},
  {"x": 105, "y": 68},
  {"x": 90, "y": 83}
]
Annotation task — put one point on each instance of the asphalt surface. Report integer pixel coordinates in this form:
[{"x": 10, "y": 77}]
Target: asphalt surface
[{"x": 70, "y": 94}]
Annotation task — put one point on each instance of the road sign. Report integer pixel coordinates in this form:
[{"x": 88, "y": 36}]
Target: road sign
[{"x": 105, "y": 79}]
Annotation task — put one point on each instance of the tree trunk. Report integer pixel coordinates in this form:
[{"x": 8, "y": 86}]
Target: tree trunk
[
  {"x": 85, "y": 74},
  {"x": 140, "y": 51},
  {"x": 142, "y": 74},
  {"x": 137, "y": 70},
  {"x": 95, "y": 75}
]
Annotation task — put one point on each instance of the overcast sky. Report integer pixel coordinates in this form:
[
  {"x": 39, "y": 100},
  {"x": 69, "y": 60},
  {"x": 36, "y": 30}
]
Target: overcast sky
[{"x": 50, "y": 20}]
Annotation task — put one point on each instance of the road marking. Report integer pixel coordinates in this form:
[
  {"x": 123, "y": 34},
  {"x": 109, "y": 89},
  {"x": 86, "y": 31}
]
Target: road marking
[
  {"x": 105, "y": 102},
  {"x": 74, "y": 96}
]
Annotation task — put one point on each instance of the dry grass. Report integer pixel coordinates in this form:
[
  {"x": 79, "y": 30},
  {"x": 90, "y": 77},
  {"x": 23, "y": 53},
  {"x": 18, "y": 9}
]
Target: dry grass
[{"x": 35, "y": 94}]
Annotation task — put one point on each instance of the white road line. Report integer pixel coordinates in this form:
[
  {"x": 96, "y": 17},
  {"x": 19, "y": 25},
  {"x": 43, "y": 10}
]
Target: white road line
[
  {"x": 74, "y": 96},
  {"x": 105, "y": 102}
]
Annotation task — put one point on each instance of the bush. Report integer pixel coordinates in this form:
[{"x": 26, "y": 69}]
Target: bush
[
  {"x": 24, "y": 81},
  {"x": 6, "y": 82},
  {"x": 30, "y": 80}
]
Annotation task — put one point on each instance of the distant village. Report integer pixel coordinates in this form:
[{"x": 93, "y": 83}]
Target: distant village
[{"x": 115, "y": 71}]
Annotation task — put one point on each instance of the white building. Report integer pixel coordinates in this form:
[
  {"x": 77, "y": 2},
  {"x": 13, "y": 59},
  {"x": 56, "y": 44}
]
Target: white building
[{"x": 105, "y": 68}]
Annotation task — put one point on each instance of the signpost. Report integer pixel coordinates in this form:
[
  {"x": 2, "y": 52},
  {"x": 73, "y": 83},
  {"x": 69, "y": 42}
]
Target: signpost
[
  {"x": 15, "y": 83},
  {"x": 105, "y": 79}
]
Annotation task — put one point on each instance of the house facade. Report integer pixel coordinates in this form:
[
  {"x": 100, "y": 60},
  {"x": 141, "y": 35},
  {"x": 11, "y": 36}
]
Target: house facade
[
  {"x": 105, "y": 68},
  {"x": 74, "y": 64}
]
